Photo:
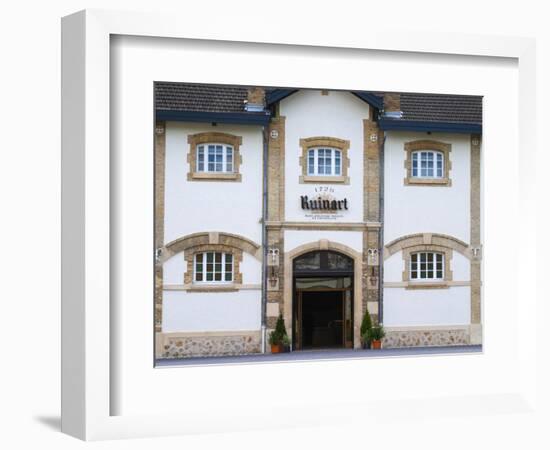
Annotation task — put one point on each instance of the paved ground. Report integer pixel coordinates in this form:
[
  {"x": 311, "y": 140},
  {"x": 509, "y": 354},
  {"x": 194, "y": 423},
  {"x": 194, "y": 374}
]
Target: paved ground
[{"x": 316, "y": 355}]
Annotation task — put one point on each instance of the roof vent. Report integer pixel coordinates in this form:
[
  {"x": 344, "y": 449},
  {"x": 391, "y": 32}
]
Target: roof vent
[{"x": 392, "y": 114}]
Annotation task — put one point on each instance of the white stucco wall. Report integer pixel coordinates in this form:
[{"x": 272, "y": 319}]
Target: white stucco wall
[
  {"x": 430, "y": 209},
  {"x": 426, "y": 209},
  {"x": 202, "y": 206},
  {"x": 173, "y": 269},
  {"x": 295, "y": 238},
  {"x": 211, "y": 311},
  {"x": 198, "y": 206},
  {"x": 427, "y": 307},
  {"x": 251, "y": 268},
  {"x": 339, "y": 115}
]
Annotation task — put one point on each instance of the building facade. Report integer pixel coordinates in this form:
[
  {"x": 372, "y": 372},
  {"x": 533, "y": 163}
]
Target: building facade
[{"x": 318, "y": 206}]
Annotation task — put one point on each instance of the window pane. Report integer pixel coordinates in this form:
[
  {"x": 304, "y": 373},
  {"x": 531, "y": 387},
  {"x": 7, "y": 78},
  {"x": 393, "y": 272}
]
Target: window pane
[
  {"x": 337, "y": 162},
  {"x": 336, "y": 261},
  {"x": 328, "y": 161},
  {"x": 311, "y": 162},
  {"x": 321, "y": 161},
  {"x": 229, "y": 159},
  {"x": 211, "y": 159},
  {"x": 209, "y": 276},
  {"x": 200, "y": 159},
  {"x": 309, "y": 261},
  {"x": 209, "y": 257},
  {"x": 439, "y": 165}
]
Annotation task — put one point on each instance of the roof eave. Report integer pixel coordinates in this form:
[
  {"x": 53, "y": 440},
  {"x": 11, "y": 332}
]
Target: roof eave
[
  {"x": 415, "y": 125},
  {"x": 218, "y": 117},
  {"x": 371, "y": 99}
]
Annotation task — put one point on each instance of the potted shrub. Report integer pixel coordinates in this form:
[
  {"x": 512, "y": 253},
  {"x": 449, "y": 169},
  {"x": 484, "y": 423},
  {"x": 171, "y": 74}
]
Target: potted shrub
[
  {"x": 375, "y": 336},
  {"x": 366, "y": 325},
  {"x": 275, "y": 341},
  {"x": 286, "y": 344},
  {"x": 278, "y": 337}
]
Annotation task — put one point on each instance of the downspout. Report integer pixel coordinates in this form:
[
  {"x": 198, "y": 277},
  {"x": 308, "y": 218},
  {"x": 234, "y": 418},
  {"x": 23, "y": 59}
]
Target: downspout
[
  {"x": 264, "y": 237},
  {"x": 381, "y": 236}
]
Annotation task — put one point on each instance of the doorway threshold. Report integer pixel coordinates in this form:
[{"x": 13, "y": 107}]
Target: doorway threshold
[{"x": 318, "y": 355}]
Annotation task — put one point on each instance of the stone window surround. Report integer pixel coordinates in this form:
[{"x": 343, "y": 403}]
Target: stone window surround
[
  {"x": 429, "y": 284},
  {"x": 426, "y": 144},
  {"x": 214, "y": 137},
  {"x": 329, "y": 142},
  {"x": 211, "y": 241},
  {"x": 205, "y": 286},
  {"x": 431, "y": 242}
]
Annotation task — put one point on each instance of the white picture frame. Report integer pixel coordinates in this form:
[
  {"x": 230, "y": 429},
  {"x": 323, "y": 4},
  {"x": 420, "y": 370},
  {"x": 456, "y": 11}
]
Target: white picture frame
[{"x": 88, "y": 323}]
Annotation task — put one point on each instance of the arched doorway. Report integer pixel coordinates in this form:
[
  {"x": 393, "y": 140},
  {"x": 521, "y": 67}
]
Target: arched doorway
[{"x": 322, "y": 306}]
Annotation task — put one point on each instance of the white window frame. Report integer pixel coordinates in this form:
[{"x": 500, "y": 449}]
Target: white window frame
[
  {"x": 223, "y": 271},
  {"x": 205, "y": 150},
  {"x": 437, "y": 172},
  {"x": 433, "y": 269},
  {"x": 332, "y": 159}
]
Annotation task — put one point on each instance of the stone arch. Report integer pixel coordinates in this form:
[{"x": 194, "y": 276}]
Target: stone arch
[
  {"x": 212, "y": 238},
  {"x": 419, "y": 240},
  {"x": 325, "y": 244}
]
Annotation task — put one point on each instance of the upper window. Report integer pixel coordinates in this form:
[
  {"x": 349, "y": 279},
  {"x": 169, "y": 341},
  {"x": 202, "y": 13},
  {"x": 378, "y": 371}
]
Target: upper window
[
  {"x": 324, "y": 162},
  {"x": 428, "y": 164},
  {"x": 215, "y": 158},
  {"x": 213, "y": 267},
  {"x": 427, "y": 266}
]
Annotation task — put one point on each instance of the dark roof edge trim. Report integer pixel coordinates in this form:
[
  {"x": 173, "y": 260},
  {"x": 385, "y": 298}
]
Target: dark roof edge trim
[
  {"x": 413, "y": 125},
  {"x": 278, "y": 94},
  {"x": 371, "y": 99},
  {"x": 200, "y": 116}
]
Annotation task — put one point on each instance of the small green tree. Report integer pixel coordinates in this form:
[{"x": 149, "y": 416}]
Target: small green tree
[
  {"x": 280, "y": 327},
  {"x": 278, "y": 335},
  {"x": 366, "y": 324}
]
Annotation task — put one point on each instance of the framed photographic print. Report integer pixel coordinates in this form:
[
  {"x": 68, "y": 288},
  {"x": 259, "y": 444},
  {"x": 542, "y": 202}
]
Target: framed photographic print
[{"x": 285, "y": 231}]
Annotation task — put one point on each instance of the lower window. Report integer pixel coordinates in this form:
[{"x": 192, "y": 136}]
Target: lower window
[
  {"x": 213, "y": 267},
  {"x": 427, "y": 266}
]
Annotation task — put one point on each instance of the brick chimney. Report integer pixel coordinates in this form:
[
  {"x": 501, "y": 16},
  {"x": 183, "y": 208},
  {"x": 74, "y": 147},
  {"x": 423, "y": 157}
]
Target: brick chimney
[
  {"x": 392, "y": 102},
  {"x": 255, "y": 99}
]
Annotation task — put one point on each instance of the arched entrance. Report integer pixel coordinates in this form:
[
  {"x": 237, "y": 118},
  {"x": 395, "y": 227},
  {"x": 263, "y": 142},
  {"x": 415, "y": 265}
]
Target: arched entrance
[{"x": 322, "y": 302}]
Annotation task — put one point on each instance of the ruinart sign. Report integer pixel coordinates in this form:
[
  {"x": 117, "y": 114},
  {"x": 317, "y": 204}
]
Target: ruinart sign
[{"x": 323, "y": 204}]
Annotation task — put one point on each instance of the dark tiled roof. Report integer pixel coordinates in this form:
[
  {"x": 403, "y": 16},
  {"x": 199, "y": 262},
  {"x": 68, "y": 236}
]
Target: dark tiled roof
[
  {"x": 171, "y": 96},
  {"x": 441, "y": 108},
  {"x": 199, "y": 97}
]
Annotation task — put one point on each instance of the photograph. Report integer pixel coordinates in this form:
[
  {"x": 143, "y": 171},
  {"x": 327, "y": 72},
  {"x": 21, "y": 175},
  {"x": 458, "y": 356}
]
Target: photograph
[{"x": 295, "y": 223}]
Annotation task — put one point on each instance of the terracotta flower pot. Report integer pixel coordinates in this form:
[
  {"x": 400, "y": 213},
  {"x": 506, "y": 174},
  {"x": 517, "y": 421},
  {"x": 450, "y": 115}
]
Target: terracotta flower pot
[
  {"x": 276, "y": 348},
  {"x": 376, "y": 345}
]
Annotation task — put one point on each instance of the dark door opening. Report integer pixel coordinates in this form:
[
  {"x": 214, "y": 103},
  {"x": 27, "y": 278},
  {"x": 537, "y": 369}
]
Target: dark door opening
[
  {"x": 322, "y": 319},
  {"x": 322, "y": 311}
]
